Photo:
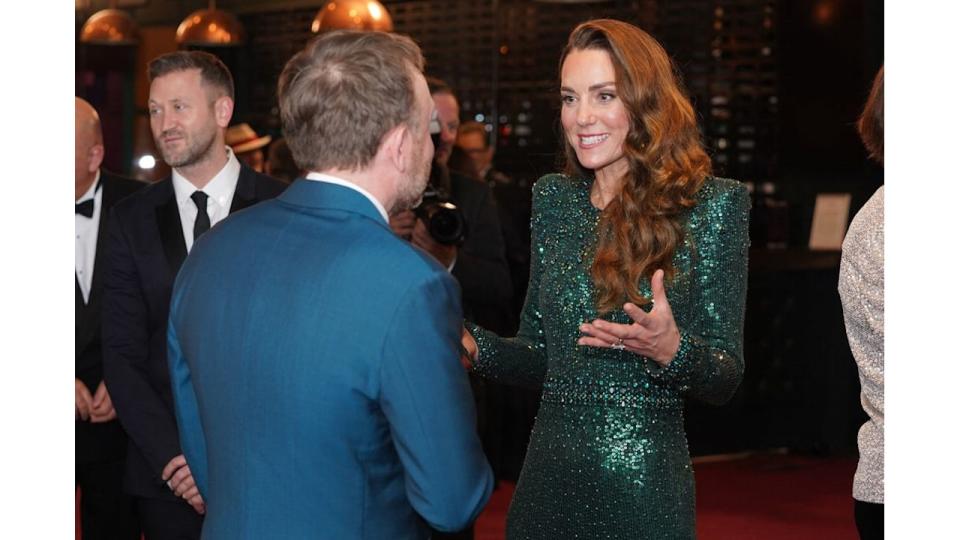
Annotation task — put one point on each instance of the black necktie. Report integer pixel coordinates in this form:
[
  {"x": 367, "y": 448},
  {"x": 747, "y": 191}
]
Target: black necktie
[
  {"x": 202, "y": 223},
  {"x": 85, "y": 208}
]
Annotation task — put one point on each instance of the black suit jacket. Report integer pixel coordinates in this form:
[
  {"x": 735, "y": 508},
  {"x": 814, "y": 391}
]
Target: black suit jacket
[
  {"x": 514, "y": 202},
  {"x": 481, "y": 267},
  {"x": 102, "y": 442},
  {"x": 144, "y": 252}
]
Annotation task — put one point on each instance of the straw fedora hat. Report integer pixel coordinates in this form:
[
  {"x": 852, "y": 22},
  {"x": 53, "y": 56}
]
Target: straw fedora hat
[{"x": 242, "y": 138}]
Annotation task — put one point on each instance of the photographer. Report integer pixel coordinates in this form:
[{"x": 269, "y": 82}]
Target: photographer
[{"x": 479, "y": 264}]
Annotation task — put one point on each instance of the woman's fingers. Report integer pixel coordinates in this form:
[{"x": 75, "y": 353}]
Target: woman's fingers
[
  {"x": 660, "y": 301},
  {"x": 603, "y": 332},
  {"x": 638, "y": 315}
]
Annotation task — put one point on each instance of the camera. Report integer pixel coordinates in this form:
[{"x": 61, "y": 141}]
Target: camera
[{"x": 443, "y": 219}]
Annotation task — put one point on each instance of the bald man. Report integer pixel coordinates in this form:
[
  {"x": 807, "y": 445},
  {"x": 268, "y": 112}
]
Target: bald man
[{"x": 105, "y": 511}]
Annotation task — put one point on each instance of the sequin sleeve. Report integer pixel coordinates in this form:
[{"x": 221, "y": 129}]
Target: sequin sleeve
[
  {"x": 709, "y": 364},
  {"x": 521, "y": 360}
]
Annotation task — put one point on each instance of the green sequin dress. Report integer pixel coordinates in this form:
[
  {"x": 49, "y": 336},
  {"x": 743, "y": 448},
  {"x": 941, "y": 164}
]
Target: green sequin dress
[{"x": 608, "y": 454}]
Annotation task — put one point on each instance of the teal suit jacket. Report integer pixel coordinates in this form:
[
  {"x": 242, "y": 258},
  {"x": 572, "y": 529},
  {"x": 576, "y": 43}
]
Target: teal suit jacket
[{"x": 316, "y": 377}]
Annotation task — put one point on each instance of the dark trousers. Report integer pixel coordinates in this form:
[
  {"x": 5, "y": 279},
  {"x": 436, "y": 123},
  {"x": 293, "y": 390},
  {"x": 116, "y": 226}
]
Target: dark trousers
[
  {"x": 168, "y": 520},
  {"x": 105, "y": 511},
  {"x": 869, "y": 517}
]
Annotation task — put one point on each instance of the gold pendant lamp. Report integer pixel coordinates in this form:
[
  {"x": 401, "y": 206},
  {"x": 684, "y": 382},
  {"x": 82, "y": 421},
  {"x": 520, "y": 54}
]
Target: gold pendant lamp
[
  {"x": 110, "y": 27},
  {"x": 210, "y": 27},
  {"x": 352, "y": 15}
]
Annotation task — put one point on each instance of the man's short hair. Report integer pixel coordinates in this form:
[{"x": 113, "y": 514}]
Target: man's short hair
[
  {"x": 213, "y": 72},
  {"x": 472, "y": 126},
  {"x": 344, "y": 92},
  {"x": 439, "y": 86}
]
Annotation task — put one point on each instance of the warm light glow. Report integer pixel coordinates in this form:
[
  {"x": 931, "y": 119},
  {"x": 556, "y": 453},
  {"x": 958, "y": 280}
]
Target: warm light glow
[
  {"x": 210, "y": 27},
  {"x": 110, "y": 27},
  {"x": 824, "y": 12},
  {"x": 352, "y": 14}
]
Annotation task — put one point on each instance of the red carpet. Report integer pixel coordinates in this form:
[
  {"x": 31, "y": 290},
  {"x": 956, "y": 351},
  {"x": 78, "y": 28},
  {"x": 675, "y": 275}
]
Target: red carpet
[
  {"x": 768, "y": 497},
  {"x": 779, "y": 497}
]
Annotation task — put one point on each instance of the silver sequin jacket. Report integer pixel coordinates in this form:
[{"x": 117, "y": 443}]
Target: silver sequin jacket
[{"x": 861, "y": 292}]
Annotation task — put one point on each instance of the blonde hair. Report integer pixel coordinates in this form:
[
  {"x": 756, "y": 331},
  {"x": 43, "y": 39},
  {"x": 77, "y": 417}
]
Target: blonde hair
[{"x": 347, "y": 82}]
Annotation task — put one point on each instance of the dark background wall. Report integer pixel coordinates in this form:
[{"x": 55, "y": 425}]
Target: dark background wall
[{"x": 777, "y": 84}]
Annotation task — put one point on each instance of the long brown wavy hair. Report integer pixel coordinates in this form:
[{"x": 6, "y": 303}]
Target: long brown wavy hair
[{"x": 640, "y": 229}]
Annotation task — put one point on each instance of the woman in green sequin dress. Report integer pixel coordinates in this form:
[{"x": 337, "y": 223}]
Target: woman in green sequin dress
[{"x": 636, "y": 218}]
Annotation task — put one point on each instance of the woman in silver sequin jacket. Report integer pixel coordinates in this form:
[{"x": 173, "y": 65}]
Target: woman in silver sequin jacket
[{"x": 861, "y": 292}]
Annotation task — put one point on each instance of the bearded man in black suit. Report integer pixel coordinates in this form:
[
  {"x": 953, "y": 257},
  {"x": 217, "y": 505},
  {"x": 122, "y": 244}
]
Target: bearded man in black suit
[{"x": 190, "y": 107}]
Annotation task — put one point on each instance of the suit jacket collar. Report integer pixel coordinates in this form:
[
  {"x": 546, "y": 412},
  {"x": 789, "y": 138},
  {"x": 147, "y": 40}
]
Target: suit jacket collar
[
  {"x": 324, "y": 195},
  {"x": 246, "y": 192},
  {"x": 169, "y": 226},
  {"x": 168, "y": 214}
]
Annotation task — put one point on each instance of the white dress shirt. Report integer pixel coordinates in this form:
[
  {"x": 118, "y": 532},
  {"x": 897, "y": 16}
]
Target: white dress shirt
[
  {"x": 86, "y": 230},
  {"x": 219, "y": 196},
  {"x": 320, "y": 177}
]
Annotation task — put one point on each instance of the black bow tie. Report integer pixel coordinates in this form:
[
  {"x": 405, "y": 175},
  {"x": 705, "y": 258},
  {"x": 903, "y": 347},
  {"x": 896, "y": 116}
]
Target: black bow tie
[{"x": 86, "y": 208}]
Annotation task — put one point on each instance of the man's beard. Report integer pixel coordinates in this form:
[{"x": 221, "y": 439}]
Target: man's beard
[
  {"x": 197, "y": 148},
  {"x": 411, "y": 191}
]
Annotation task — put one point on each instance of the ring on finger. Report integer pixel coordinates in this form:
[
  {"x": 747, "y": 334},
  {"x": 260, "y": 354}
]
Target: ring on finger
[{"x": 618, "y": 346}]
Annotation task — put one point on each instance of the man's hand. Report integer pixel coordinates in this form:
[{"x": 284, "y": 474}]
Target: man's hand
[
  {"x": 198, "y": 505},
  {"x": 180, "y": 480},
  {"x": 441, "y": 252},
  {"x": 102, "y": 406},
  {"x": 84, "y": 401},
  {"x": 468, "y": 350},
  {"x": 402, "y": 223}
]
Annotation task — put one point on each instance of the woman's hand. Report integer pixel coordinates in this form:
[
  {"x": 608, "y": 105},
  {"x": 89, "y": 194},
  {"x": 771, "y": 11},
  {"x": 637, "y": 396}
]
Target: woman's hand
[
  {"x": 468, "y": 350},
  {"x": 654, "y": 335}
]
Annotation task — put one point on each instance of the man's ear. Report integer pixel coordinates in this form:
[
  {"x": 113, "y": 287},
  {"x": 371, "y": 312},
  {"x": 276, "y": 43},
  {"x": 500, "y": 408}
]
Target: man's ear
[
  {"x": 397, "y": 145},
  {"x": 223, "y": 111},
  {"x": 95, "y": 157}
]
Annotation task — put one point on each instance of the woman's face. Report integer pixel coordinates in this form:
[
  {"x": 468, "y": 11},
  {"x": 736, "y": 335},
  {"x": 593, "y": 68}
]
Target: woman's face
[{"x": 595, "y": 120}]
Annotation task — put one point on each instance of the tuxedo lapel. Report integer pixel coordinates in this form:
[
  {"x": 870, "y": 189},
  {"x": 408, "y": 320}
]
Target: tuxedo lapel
[
  {"x": 246, "y": 192},
  {"x": 85, "y": 327},
  {"x": 110, "y": 196},
  {"x": 171, "y": 231}
]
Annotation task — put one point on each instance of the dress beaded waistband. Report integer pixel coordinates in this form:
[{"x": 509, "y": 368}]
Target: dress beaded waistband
[{"x": 612, "y": 393}]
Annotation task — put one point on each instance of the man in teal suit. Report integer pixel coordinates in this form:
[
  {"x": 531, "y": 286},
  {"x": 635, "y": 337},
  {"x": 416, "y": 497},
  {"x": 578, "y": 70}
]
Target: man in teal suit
[{"x": 313, "y": 354}]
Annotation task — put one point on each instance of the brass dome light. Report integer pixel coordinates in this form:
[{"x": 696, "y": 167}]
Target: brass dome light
[
  {"x": 210, "y": 28},
  {"x": 110, "y": 27},
  {"x": 352, "y": 15}
]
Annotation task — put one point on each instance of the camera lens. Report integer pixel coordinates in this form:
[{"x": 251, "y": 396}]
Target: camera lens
[{"x": 447, "y": 225}]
